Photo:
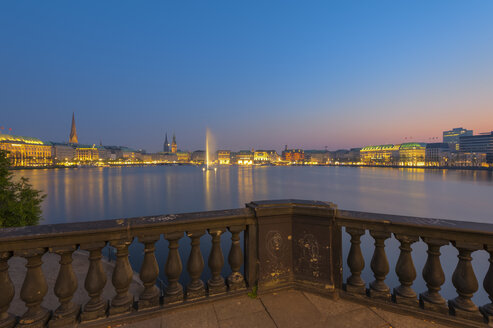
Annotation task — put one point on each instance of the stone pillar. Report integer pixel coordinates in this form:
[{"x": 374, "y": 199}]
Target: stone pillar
[
  {"x": 356, "y": 262},
  {"x": 33, "y": 289},
  {"x": 406, "y": 272},
  {"x": 174, "y": 291},
  {"x": 434, "y": 277},
  {"x": 149, "y": 298},
  {"x": 121, "y": 279},
  {"x": 235, "y": 258},
  {"x": 195, "y": 266},
  {"x": 216, "y": 283},
  {"x": 7, "y": 287},
  {"x": 94, "y": 284},
  {"x": 487, "y": 310},
  {"x": 66, "y": 284},
  {"x": 465, "y": 283},
  {"x": 380, "y": 267}
]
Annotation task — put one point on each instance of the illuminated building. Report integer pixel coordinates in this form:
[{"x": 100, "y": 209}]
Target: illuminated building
[
  {"x": 481, "y": 143},
  {"x": 452, "y": 137},
  {"x": 380, "y": 155},
  {"x": 73, "y": 132},
  {"x": 243, "y": 157},
  {"x": 166, "y": 146},
  {"x": 265, "y": 156},
  {"x": 174, "y": 146},
  {"x": 317, "y": 156},
  {"x": 86, "y": 153},
  {"x": 412, "y": 154},
  {"x": 26, "y": 151},
  {"x": 438, "y": 154},
  {"x": 183, "y": 157},
  {"x": 224, "y": 157},
  {"x": 198, "y": 157},
  {"x": 293, "y": 155},
  {"x": 62, "y": 152}
]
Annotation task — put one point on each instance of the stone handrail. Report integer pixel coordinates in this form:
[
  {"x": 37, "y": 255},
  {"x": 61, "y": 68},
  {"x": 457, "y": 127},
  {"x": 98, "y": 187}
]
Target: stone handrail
[
  {"x": 466, "y": 237},
  {"x": 287, "y": 244}
]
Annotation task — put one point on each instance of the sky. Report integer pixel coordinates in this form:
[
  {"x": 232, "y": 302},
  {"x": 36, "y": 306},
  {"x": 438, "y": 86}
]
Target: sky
[{"x": 258, "y": 74}]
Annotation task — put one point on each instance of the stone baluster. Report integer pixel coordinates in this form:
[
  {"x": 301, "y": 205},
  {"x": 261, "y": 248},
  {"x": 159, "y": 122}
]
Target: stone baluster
[
  {"x": 174, "y": 291},
  {"x": 149, "y": 298},
  {"x": 121, "y": 279},
  {"x": 406, "y": 272},
  {"x": 7, "y": 291},
  {"x": 216, "y": 283},
  {"x": 235, "y": 259},
  {"x": 94, "y": 284},
  {"x": 195, "y": 266},
  {"x": 33, "y": 289},
  {"x": 380, "y": 266},
  {"x": 465, "y": 283},
  {"x": 487, "y": 310},
  {"x": 354, "y": 284},
  {"x": 434, "y": 277},
  {"x": 66, "y": 285}
]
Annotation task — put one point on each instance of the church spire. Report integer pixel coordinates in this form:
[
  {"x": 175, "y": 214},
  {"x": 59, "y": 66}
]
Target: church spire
[
  {"x": 73, "y": 131},
  {"x": 174, "y": 146},
  {"x": 166, "y": 144}
]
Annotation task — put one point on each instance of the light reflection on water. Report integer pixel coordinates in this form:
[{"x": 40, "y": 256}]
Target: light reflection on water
[{"x": 105, "y": 193}]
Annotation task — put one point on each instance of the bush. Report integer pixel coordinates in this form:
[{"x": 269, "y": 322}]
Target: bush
[{"x": 20, "y": 204}]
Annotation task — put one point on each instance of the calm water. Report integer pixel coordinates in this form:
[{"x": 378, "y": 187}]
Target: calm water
[{"x": 104, "y": 193}]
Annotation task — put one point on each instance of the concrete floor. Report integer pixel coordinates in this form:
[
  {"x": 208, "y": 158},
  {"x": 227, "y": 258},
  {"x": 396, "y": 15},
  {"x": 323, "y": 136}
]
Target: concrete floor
[{"x": 286, "y": 309}]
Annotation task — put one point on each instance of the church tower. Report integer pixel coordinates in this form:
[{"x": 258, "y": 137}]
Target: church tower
[
  {"x": 174, "y": 146},
  {"x": 166, "y": 144},
  {"x": 73, "y": 132}
]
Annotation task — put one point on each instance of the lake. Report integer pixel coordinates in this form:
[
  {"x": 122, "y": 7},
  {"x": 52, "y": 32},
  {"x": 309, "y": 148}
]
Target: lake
[{"x": 88, "y": 194}]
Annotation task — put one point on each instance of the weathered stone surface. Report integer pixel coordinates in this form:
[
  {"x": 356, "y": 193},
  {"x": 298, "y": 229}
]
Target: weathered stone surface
[
  {"x": 253, "y": 320},
  {"x": 328, "y": 307},
  {"x": 403, "y": 321},
  {"x": 361, "y": 318},
  {"x": 291, "y": 309},
  {"x": 238, "y": 306},
  {"x": 197, "y": 316}
]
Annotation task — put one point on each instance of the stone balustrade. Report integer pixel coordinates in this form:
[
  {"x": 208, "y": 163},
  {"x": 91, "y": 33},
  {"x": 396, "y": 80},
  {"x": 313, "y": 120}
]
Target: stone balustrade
[{"x": 286, "y": 244}]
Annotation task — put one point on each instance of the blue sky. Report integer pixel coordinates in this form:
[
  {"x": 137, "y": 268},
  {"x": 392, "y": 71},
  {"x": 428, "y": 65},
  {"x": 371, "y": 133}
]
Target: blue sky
[{"x": 259, "y": 74}]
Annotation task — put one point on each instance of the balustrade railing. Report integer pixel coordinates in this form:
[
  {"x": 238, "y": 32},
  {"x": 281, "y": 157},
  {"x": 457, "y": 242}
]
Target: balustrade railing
[
  {"x": 466, "y": 237},
  {"x": 292, "y": 243},
  {"x": 32, "y": 243}
]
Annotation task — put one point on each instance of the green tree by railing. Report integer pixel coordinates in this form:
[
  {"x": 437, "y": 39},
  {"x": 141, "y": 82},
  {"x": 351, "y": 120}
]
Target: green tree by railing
[{"x": 20, "y": 204}]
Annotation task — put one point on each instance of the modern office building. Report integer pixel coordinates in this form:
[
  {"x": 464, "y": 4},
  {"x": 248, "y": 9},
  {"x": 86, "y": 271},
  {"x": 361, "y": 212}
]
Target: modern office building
[
  {"x": 452, "y": 136},
  {"x": 438, "y": 154},
  {"x": 481, "y": 143}
]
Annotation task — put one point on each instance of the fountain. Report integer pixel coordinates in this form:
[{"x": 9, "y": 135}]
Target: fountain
[{"x": 209, "y": 151}]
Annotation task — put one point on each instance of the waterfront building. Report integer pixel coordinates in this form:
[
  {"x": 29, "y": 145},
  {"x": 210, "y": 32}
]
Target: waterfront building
[
  {"x": 73, "y": 139},
  {"x": 380, "y": 155},
  {"x": 354, "y": 155},
  {"x": 412, "y": 154},
  {"x": 438, "y": 154},
  {"x": 481, "y": 143},
  {"x": 224, "y": 157},
  {"x": 183, "y": 156},
  {"x": 166, "y": 146},
  {"x": 317, "y": 157},
  {"x": 265, "y": 156},
  {"x": 26, "y": 151},
  {"x": 62, "y": 152},
  {"x": 293, "y": 155},
  {"x": 198, "y": 157},
  {"x": 174, "y": 146},
  {"x": 243, "y": 157},
  {"x": 86, "y": 153},
  {"x": 452, "y": 137}
]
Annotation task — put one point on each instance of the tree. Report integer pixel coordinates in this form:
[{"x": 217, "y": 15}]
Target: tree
[{"x": 20, "y": 204}]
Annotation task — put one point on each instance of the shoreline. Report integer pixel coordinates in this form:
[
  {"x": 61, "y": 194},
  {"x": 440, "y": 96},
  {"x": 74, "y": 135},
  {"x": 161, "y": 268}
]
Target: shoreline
[{"x": 468, "y": 168}]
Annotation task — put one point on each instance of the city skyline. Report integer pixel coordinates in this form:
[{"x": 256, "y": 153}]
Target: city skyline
[{"x": 340, "y": 75}]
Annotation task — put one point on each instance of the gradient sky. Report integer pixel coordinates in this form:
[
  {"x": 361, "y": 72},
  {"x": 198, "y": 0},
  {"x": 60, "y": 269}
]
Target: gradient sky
[{"x": 259, "y": 74}]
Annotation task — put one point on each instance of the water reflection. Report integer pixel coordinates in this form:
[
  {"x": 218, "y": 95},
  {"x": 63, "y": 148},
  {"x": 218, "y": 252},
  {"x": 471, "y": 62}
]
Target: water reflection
[{"x": 105, "y": 193}]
